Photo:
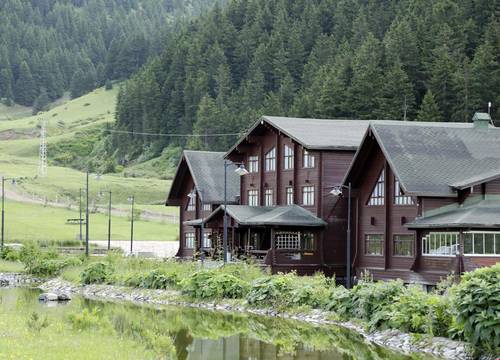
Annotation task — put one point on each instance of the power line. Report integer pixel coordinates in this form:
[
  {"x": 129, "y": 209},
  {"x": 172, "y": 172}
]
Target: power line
[{"x": 171, "y": 135}]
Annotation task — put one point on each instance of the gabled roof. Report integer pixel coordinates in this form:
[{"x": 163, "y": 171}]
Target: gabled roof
[
  {"x": 485, "y": 214},
  {"x": 291, "y": 215},
  {"x": 207, "y": 171},
  {"x": 431, "y": 159},
  {"x": 315, "y": 134}
]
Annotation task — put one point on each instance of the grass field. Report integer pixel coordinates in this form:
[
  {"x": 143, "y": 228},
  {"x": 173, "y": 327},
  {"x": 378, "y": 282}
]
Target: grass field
[{"x": 35, "y": 222}]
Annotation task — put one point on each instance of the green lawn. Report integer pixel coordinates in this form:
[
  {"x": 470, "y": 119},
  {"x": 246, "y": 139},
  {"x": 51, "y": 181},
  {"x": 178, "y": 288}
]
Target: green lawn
[{"x": 29, "y": 222}]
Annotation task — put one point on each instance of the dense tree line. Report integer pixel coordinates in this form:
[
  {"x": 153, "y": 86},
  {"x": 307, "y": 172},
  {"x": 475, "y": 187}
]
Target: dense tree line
[
  {"x": 369, "y": 59},
  {"x": 49, "y": 46}
]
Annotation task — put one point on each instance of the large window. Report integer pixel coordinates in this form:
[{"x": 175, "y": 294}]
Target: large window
[
  {"x": 440, "y": 244},
  {"x": 399, "y": 197},
  {"x": 403, "y": 245},
  {"x": 253, "y": 164},
  {"x": 481, "y": 243},
  {"x": 289, "y": 195},
  {"x": 308, "y": 159},
  {"x": 270, "y": 160},
  {"x": 207, "y": 240},
  {"x": 192, "y": 202},
  {"x": 207, "y": 207},
  {"x": 295, "y": 240},
  {"x": 189, "y": 240},
  {"x": 308, "y": 195},
  {"x": 288, "y": 158},
  {"x": 253, "y": 197},
  {"x": 374, "y": 244},
  {"x": 268, "y": 197},
  {"x": 378, "y": 193}
]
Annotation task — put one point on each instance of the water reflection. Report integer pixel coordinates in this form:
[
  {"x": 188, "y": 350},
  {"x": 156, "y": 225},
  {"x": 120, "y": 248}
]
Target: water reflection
[{"x": 193, "y": 334}]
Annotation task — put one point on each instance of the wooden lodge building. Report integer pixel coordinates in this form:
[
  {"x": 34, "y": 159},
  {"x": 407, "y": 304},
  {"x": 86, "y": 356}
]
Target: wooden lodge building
[
  {"x": 426, "y": 199},
  {"x": 423, "y": 200}
]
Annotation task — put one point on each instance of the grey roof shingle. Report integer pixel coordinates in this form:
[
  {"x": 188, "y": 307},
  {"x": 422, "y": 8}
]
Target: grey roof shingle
[
  {"x": 485, "y": 214},
  {"x": 292, "y": 215},
  {"x": 430, "y": 160},
  {"x": 207, "y": 170}
]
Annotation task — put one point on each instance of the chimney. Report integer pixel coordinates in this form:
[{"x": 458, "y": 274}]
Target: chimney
[{"x": 481, "y": 120}]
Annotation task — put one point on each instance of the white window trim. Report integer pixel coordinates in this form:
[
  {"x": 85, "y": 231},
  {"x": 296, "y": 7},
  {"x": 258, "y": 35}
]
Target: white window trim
[
  {"x": 255, "y": 195},
  {"x": 268, "y": 194},
  {"x": 481, "y": 255},
  {"x": 441, "y": 233},
  {"x": 308, "y": 160},
  {"x": 288, "y": 156},
  {"x": 192, "y": 237},
  {"x": 253, "y": 160},
  {"x": 311, "y": 194},
  {"x": 270, "y": 160},
  {"x": 291, "y": 193}
]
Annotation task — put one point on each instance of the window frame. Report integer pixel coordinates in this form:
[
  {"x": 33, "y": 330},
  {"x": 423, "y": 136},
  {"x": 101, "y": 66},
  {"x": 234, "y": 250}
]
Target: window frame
[
  {"x": 307, "y": 195},
  {"x": 253, "y": 164},
  {"x": 308, "y": 160},
  {"x": 290, "y": 195},
  {"x": 382, "y": 243},
  {"x": 207, "y": 207},
  {"x": 191, "y": 237},
  {"x": 191, "y": 205},
  {"x": 440, "y": 233},
  {"x": 254, "y": 195},
  {"x": 412, "y": 246},
  {"x": 378, "y": 191},
  {"x": 206, "y": 239},
  {"x": 288, "y": 157},
  {"x": 270, "y": 160},
  {"x": 405, "y": 200},
  {"x": 496, "y": 251},
  {"x": 268, "y": 195}
]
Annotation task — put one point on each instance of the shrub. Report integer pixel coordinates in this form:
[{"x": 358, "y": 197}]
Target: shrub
[
  {"x": 85, "y": 320},
  {"x": 10, "y": 254},
  {"x": 37, "y": 322},
  {"x": 98, "y": 273},
  {"x": 53, "y": 267},
  {"x": 272, "y": 290},
  {"x": 312, "y": 291},
  {"x": 209, "y": 284},
  {"x": 340, "y": 301},
  {"x": 368, "y": 298},
  {"x": 476, "y": 301},
  {"x": 419, "y": 312},
  {"x": 159, "y": 279}
]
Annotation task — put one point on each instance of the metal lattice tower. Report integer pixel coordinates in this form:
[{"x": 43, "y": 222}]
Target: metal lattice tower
[{"x": 42, "y": 162}]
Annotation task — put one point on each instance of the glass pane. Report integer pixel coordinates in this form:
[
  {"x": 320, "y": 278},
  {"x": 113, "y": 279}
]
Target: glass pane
[
  {"x": 497, "y": 244},
  {"x": 478, "y": 244},
  {"x": 489, "y": 243},
  {"x": 467, "y": 243}
]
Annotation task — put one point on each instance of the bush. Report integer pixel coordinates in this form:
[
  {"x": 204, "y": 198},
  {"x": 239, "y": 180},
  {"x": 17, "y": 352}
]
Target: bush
[
  {"x": 272, "y": 290},
  {"x": 85, "y": 320},
  {"x": 314, "y": 292},
  {"x": 210, "y": 284},
  {"x": 53, "y": 267},
  {"x": 10, "y": 254},
  {"x": 159, "y": 279},
  {"x": 98, "y": 273},
  {"x": 419, "y": 312},
  {"x": 476, "y": 301},
  {"x": 340, "y": 301},
  {"x": 368, "y": 298}
]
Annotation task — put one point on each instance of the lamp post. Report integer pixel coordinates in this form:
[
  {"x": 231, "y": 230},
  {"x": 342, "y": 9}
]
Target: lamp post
[
  {"x": 241, "y": 171},
  {"x": 3, "y": 209},
  {"x": 337, "y": 191},
  {"x": 132, "y": 200},
  {"x": 101, "y": 194}
]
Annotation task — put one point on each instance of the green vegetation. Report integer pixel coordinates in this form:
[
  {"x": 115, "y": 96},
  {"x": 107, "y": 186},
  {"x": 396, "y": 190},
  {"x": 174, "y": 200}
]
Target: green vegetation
[
  {"x": 47, "y": 225},
  {"x": 429, "y": 59},
  {"x": 47, "y": 47}
]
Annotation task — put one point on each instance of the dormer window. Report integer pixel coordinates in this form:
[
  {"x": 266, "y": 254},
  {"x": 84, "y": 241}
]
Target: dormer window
[
  {"x": 270, "y": 160},
  {"x": 253, "y": 164},
  {"x": 308, "y": 159},
  {"x": 399, "y": 197},
  {"x": 378, "y": 192},
  {"x": 288, "y": 158}
]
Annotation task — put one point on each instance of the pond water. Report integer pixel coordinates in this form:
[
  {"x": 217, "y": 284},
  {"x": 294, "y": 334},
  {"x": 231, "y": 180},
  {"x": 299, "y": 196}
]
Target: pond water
[{"x": 83, "y": 329}]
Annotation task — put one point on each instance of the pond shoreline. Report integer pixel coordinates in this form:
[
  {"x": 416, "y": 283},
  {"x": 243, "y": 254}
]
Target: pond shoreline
[{"x": 392, "y": 339}]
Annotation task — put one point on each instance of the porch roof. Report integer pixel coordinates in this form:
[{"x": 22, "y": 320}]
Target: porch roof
[
  {"x": 483, "y": 214},
  {"x": 292, "y": 215}
]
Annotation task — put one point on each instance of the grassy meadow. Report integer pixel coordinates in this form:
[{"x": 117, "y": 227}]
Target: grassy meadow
[{"x": 48, "y": 224}]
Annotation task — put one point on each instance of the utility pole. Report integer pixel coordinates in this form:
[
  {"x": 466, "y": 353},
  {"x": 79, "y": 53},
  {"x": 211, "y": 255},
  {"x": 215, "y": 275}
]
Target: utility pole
[
  {"x": 132, "y": 200},
  {"x": 3, "y": 211},
  {"x": 81, "y": 220},
  {"x": 42, "y": 162},
  {"x": 109, "y": 223},
  {"x": 87, "y": 217},
  {"x": 405, "y": 108}
]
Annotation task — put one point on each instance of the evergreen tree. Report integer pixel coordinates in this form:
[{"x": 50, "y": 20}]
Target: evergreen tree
[
  {"x": 25, "y": 90},
  {"x": 397, "y": 97},
  {"x": 41, "y": 102},
  {"x": 429, "y": 110},
  {"x": 6, "y": 84}
]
